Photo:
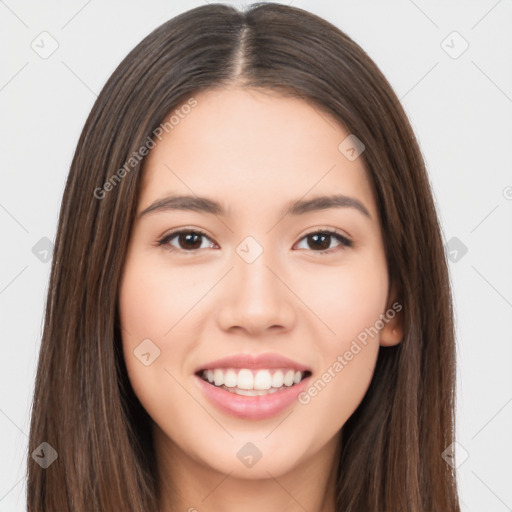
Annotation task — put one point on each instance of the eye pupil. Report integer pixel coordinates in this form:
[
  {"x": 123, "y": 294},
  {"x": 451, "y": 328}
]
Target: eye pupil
[
  {"x": 185, "y": 239},
  {"x": 322, "y": 246}
]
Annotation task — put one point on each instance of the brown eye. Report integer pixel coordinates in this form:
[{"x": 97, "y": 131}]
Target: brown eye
[
  {"x": 187, "y": 240},
  {"x": 320, "y": 241}
]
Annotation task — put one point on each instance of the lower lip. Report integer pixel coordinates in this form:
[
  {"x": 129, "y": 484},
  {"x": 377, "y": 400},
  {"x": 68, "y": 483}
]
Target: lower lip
[{"x": 252, "y": 407}]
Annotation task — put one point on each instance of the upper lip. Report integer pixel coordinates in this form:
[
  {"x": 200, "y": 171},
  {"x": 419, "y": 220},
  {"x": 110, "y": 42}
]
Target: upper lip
[{"x": 249, "y": 361}]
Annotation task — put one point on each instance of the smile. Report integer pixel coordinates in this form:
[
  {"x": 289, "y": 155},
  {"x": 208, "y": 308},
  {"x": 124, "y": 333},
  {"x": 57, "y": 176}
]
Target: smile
[{"x": 246, "y": 382}]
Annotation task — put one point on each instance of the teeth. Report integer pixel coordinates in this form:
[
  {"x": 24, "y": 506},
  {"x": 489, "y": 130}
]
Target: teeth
[
  {"x": 262, "y": 380},
  {"x": 288, "y": 378},
  {"x": 249, "y": 383},
  {"x": 218, "y": 377},
  {"x": 250, "y": 392},
  {"x": 245, "y": 379},
  {"x": 230, "y": 379},
  {"x": 277, "y": 379}
]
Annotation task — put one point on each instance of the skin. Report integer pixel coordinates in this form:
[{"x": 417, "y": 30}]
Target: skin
[{"x": 252, "y": 151}]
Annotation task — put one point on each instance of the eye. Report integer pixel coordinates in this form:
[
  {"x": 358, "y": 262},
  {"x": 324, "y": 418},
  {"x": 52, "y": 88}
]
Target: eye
[
  {"x": 188, "y": 240},
  {"x": 320, "y": 241}
]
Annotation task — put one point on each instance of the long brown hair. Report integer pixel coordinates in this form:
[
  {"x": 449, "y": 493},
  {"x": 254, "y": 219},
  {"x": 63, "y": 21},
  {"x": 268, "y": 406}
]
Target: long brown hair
[{"x": 84, "y": 406}]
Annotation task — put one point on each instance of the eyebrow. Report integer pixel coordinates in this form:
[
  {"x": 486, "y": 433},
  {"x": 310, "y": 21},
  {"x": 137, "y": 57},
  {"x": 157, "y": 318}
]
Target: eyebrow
[{"x": 299, "y": 207}]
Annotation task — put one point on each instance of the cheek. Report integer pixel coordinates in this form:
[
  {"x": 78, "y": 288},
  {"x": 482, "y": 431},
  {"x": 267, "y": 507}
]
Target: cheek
[
  {"x": 158, "y": 303},
  {"x": 350, "y": 303},
  {"x": 152, "y": 301},
  {"x": 147, "y": 311},
  {"x": 347, "y": 300},
  {"x": 141, "y": 308},
  {"x": 154, "y": 297}
]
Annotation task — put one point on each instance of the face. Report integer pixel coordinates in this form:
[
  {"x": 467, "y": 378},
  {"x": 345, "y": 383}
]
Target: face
[{"x": 277, "y": 293}]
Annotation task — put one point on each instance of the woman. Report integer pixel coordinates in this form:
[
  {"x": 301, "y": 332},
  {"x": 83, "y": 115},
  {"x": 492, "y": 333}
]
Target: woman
[{"x": 249, "y": 302}]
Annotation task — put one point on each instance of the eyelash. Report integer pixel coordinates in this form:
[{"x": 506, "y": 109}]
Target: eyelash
[{"x": 164, "y": 241}]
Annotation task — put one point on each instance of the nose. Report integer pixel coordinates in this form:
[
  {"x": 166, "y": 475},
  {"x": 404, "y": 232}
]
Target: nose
[{"x": 255, "y": 298}]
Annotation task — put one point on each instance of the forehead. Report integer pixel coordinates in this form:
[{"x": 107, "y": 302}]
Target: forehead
[{"x": 251, "y": 149}]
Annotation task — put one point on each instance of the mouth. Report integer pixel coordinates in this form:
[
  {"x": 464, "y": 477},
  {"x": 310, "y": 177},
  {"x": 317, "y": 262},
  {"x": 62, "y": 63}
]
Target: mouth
[
  {"x": 253, "y": 387},
  {"x": 235, "y": 391},
  {"x": 253, "y": 382}
]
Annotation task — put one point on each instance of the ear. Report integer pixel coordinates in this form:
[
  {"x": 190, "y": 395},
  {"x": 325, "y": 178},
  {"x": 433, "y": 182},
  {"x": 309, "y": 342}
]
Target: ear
[{"x": 393, "y": 331}]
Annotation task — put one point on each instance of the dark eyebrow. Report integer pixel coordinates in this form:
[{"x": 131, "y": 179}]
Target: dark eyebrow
[
  {"x": 193, "y": 203},
  {"x": 300, "y": 207},
  {"x": 323, "y": 202}
]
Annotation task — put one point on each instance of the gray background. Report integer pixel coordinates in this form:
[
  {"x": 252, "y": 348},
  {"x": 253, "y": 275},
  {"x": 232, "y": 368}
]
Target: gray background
[{"x": 459, "y": 104}]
